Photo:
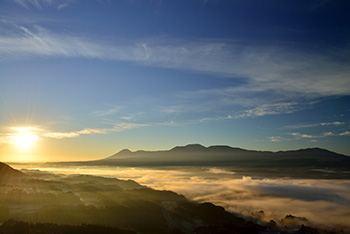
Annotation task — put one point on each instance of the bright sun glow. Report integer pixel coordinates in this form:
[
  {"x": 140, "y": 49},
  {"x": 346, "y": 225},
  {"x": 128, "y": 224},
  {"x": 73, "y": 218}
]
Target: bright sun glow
[{"x": 24, "y": 139}]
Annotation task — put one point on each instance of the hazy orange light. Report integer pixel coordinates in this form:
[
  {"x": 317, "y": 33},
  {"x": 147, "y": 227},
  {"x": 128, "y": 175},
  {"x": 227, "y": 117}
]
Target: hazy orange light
[
  {"x": 25, "y": 141},
  {"x": 25, "y": 138}
]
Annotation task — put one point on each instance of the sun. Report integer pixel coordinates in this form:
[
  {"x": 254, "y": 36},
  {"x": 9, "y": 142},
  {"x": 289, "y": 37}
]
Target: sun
[{"x": 25, "y": 138}]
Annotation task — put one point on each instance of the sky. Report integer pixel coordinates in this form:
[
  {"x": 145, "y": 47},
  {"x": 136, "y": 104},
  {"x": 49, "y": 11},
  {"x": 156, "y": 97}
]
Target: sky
[{"x": 84, "y": 79}]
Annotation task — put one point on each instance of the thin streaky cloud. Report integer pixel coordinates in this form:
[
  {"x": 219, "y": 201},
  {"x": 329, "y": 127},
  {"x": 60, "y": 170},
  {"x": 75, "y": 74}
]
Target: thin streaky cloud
[
  {"x": 107, "y": 112},
  {"x": 276, "y": 138},
  {"x": 125, "y": 126},
  {"x": 336, "y": 123},
  {"x": 258, "y": 111},
  {"x": 241, "y": 102},
  {"x": 126, "y": 117},
  {"x": 300, "y": 135},
  {"x": 271, "y": 109},
  {"x": 116, "y": 128},
  {"x": 64, "y": 4},
  {"x": 42, "y": 132},
  {"x": 346, "y": 133},
  {"x": 60, "y": 135},
  {"x": 313, "y": 138},
  {"x": 324, "y": 134},
  {"x": 41, "y": 42},
  {"x": 302, "y": 126},
  {"x": 39, "y": 4},
  {"x": 172, "y": 109},
  {"x": 27, "y": 129},
  {"x": 25, "y": 3},
  {"x": 263, "y": 68}
]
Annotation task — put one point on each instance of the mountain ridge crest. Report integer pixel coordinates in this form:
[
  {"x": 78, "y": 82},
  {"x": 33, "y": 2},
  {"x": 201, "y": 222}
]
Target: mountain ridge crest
[{"x": 220, "y": 149}]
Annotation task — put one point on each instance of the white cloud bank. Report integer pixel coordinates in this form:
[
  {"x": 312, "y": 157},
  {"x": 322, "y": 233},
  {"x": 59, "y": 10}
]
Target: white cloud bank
[{"x": 323, "y": 202}]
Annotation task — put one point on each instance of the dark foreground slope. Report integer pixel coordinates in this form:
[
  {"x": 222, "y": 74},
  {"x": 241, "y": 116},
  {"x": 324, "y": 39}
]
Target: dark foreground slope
[
  {"x": 75, "y": 199},
  {"x": 8, "y": 174},
  {"x": 41, "y": 202},
  {"x": 19, "y": 227}
]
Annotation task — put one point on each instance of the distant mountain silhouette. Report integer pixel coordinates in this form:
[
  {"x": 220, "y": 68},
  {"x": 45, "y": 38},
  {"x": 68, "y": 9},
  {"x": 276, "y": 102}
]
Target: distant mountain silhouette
[
  {"x": 188, "y": 148},
  {"x": 314, "y": 163},
  {"x": 220, "y": 154},
  {"x": 8, "y": 173}
]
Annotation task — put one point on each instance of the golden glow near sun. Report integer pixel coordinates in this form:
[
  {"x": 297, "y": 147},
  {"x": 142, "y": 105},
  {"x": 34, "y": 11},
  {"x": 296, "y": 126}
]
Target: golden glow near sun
[
  {"x": 25, "y": 141},
  {"x": 25, "y": 138}
]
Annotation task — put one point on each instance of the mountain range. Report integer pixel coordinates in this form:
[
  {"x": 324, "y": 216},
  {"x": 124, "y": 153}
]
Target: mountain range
[
  {"x": 195, "y": 154},
  {"x": 313, "y": 163}
]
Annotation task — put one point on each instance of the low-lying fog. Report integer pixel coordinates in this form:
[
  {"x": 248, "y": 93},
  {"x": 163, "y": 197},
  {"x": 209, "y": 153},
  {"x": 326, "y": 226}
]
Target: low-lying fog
[{"x": 322, "y": 202}]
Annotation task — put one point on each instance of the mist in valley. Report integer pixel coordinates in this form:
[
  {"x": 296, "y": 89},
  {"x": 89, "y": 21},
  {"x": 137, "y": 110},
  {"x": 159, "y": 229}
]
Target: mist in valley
[{"x": 316, "y": 202}]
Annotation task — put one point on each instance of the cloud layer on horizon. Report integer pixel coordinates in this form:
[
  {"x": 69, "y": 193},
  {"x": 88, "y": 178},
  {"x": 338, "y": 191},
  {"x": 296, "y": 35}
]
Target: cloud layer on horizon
[{"x": 322, "y": 202}]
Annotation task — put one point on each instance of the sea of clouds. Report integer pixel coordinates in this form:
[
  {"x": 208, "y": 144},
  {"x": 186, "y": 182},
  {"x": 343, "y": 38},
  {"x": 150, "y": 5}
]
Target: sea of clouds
[{"x": 322, "y": 202}]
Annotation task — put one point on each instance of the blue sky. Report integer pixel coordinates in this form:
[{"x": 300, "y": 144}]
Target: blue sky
[{"x": 89, "y": 78}]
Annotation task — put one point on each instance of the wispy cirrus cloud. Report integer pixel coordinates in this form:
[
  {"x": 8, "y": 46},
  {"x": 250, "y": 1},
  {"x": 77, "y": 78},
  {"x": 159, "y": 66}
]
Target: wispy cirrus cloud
[
  {"x": 6, "y": 137},
  {"x": 41, "y": 42},
  {"x": 39, "y": 4},
  {"x": 276, "y": 138},
  {"x": 61, "y": 135},
  {"x": 35, "y": 3},
  {"x": 264, "y": 68},
  {"x": 311, "y": 137},
  {"x": 126, "y": 117},
  {"x": 107, "y": 112},
  {"x": 300, "y": 135},
  {"x": 324, "y": 134},
  {"x": 271, "y": 109},
  {"x": 336, "y": 126},
  {"x": 88, "y": 131},
  {"x": 335, "y": 123},
  {"x": 258, "y": 111},
  {"x": 270, "y": 79},
  {"x": 346, "y": 133}
]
